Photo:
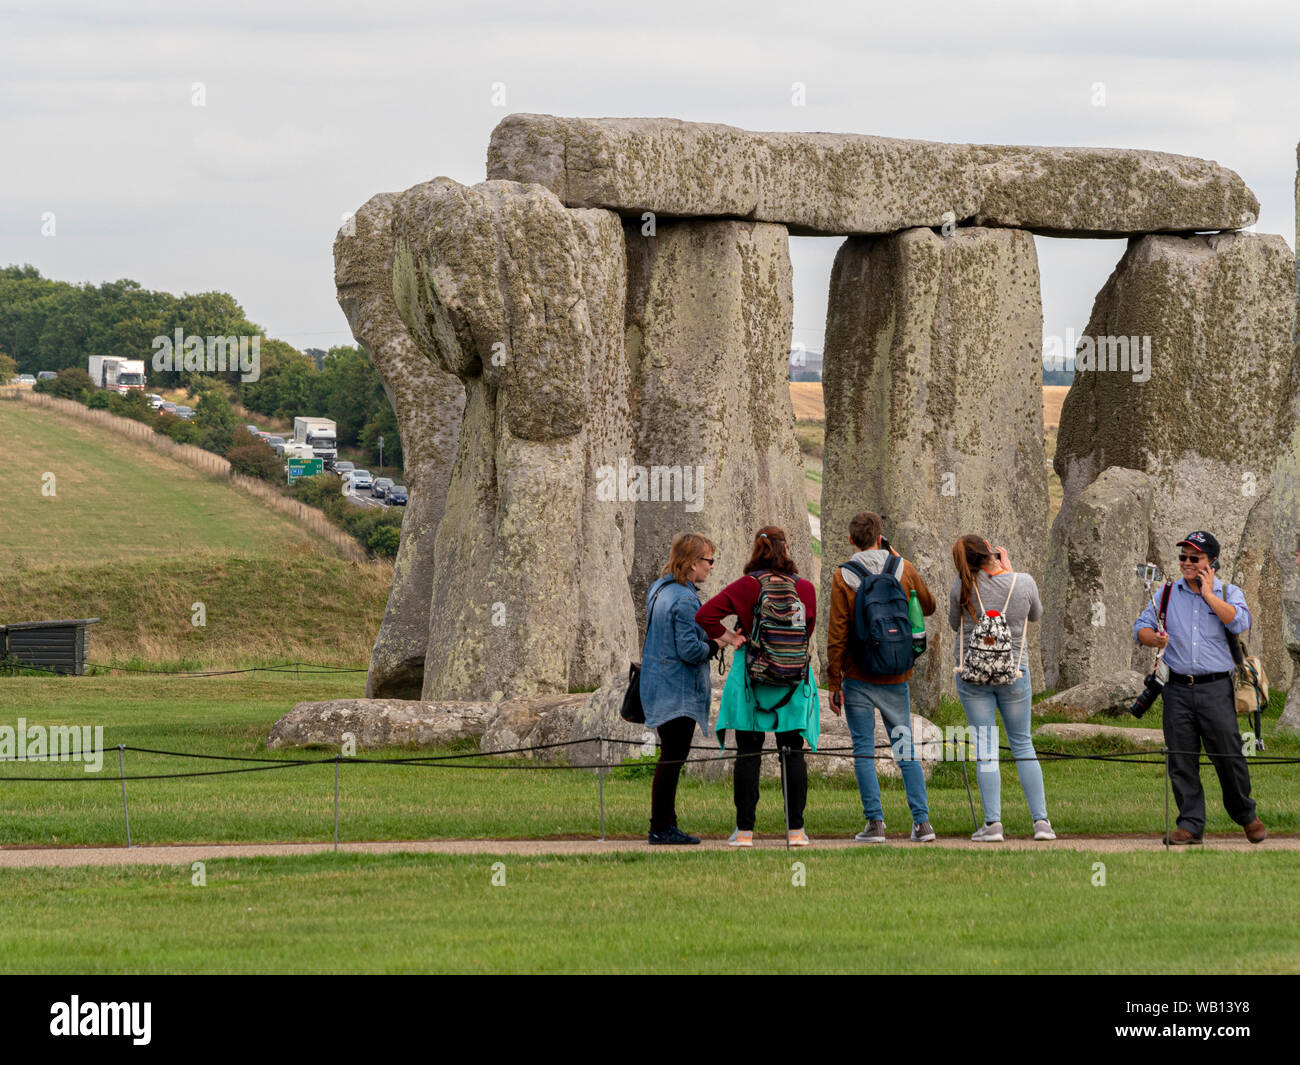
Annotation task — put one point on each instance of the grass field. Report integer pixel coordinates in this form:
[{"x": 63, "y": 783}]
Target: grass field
[
  {"x": 136, "y": 539},
  {"x": 233, "y": 715},
  {"x": 871, "y": 910}
]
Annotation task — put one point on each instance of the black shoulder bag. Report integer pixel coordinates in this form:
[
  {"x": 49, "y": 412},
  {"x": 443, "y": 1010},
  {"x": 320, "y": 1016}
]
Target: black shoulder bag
[{"x": 632, "y": 710}]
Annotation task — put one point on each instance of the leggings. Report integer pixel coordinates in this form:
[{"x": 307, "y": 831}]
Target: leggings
[
  {"x": 748, "y": 744},
  {"x": 674, "y": 745}
]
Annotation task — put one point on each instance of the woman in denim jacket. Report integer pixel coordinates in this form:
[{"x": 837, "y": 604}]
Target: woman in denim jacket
[{"x": 675, "y": 675}]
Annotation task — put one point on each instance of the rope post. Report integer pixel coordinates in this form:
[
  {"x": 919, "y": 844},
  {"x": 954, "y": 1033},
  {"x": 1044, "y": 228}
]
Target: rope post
[
  {"x": 121, "y": 765},
  {"x": 336, "y": 803},
  {"x": 965, "y": 770},
  {"x": 785, "y": 797},
  {"x": 600, "y": 785},
  {"x": 1165, "y": 751}
]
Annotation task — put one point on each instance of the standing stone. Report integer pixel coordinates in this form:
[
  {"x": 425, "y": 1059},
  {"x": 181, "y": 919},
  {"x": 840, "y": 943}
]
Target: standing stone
[
  {"x": 1204, "y": 409},
  {"x": 522, "y": 299},
  {"x": 428, "y": 402},
  {"x": 1093, "y": 592},
  {"x": 1286, "y": 507},
  {"x": 709, "y": 315},
  {"x": 934, "y": 411}
]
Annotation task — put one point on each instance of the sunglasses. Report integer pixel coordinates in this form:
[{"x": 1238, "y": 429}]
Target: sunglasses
[
  {"x": 1190, "y": 558},
  {"x": 708, "y": 560}
]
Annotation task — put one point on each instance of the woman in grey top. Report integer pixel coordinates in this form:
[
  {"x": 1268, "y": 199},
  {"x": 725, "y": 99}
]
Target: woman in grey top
[{"x": 986, "y": 584}]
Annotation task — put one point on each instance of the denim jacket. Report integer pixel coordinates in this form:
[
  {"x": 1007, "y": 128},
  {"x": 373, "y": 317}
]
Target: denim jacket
[{"x": 675, "y": 665}]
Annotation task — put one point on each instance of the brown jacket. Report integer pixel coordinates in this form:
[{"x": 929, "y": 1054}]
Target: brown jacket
[{"x": 838, "y": 662}]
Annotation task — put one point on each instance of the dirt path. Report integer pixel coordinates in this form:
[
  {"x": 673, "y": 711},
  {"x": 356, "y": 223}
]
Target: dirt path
[{"x": 185, "y": 853}]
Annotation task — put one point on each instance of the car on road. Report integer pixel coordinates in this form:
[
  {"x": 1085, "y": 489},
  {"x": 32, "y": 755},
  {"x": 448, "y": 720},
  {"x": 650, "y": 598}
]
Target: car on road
[
  {"x": 155, "y": 400},
  {"x": 397, "y": 495},
  {"x": 183, "y": 411},
  {"x": 344, "y": 468},
  {"x": 361, "y": 479},
  {"x": 167, "y": 407},
  {"x": 46, "y": 375},
  {"x": 254, "y": 430},
  {"x": 276, "y": 444},
  {"x": 26, "y": 379},
  {"x": 381, "y": 487}
]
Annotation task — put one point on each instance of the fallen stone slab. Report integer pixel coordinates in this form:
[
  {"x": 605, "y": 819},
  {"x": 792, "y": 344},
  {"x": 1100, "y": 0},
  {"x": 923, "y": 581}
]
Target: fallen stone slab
[
  {"x": 380, "y": 723},
  {"x": 1110, "y": 695},
  {"x": 837, "y": 183},
  {"x": 1146, "y": 737}
]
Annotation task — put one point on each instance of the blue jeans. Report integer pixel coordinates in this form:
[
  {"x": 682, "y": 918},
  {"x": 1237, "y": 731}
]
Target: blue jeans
[
  {"x": 981, "y": 702},
  {"x": 861, "y": 700}
]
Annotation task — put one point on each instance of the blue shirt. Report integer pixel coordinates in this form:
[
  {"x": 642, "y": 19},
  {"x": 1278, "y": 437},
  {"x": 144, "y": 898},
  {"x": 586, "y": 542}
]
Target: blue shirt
[{"x": 1198, "y": 641}]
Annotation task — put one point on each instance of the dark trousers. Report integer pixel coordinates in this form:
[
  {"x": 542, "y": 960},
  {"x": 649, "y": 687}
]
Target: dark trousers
[
  {"x": 674, "y": 745},
  {"x": 748, "y": 763},
  {"x": 1204, "y": 712}
]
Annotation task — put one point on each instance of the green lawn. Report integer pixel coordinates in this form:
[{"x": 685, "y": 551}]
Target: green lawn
[
  {"x": 883, "y": 910},
  {"x": 232, "y": 716}
]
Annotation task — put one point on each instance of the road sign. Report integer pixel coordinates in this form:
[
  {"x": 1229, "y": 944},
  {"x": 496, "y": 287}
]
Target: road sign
[{"x": 305, "y": 468}]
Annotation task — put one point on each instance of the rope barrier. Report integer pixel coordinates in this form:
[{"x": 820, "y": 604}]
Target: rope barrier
[{"x": 314, "y": 669}]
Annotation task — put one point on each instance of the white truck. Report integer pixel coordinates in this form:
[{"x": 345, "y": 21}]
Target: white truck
[
  {"x": 320, "y": 435},
  {"x": 117, "y": 375}
]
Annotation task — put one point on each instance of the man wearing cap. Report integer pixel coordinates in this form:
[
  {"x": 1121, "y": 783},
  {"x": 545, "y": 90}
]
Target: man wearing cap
[{"x": 1198, "y": 700}]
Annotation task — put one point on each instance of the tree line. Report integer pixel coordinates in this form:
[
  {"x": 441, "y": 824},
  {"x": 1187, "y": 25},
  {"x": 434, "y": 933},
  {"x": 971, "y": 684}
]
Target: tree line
[{"x": 56, "y": 325}]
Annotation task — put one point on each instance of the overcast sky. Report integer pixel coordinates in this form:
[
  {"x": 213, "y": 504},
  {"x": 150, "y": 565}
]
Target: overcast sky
[{"x": 312, "y": 108}]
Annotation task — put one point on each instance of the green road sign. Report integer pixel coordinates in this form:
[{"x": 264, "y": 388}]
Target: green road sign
[{"x": 305, "y": 468}]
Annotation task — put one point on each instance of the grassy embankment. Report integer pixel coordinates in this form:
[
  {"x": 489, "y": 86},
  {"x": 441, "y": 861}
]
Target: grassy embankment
[{"x": 136, "y": 539}]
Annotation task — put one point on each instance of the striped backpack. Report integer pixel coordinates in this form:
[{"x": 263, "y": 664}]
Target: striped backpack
[{"x": 777, "y": 652}]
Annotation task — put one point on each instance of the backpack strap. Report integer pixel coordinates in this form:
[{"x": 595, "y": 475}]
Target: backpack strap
[
  {"x": 898, "y": 575},
  {"x": 1010, "y": 592},
  {"x": 1164, "y": 604}
]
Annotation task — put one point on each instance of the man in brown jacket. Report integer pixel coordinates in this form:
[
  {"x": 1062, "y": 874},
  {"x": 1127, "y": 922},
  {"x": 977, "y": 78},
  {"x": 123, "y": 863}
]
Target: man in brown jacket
[{"x": 858, "y": 694}]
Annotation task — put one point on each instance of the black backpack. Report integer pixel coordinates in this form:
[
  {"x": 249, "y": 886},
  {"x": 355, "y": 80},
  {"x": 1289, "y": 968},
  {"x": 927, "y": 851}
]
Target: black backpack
[{"x": 880, "y": 637}]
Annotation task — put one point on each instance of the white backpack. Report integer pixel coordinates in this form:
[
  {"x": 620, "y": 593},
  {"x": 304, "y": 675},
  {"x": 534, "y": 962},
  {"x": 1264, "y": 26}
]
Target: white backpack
[{"x": 990, "y": 659}]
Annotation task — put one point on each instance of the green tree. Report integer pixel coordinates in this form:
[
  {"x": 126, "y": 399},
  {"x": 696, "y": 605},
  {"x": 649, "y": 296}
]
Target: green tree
[{"x": 216, "y": 419}]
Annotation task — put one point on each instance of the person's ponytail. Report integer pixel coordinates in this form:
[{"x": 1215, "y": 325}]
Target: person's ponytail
[{"x": 969, "y": 554}]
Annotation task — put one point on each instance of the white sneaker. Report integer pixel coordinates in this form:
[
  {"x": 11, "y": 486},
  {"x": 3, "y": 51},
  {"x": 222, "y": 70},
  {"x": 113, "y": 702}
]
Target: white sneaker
[
  {"x": 873, "y": 833},
  {"x": 988, "y": 833},
  {"x": 1043, "y": 829}
]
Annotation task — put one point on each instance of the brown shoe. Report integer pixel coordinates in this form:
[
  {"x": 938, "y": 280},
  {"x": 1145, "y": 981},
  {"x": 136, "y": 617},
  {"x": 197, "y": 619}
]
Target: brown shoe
[
  {"x": 1256, "y": 832},
  {"x": 1180, "y": 837}
]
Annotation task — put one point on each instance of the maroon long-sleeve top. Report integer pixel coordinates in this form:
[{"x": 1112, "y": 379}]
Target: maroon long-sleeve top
[{"x": 740, "y": 597}]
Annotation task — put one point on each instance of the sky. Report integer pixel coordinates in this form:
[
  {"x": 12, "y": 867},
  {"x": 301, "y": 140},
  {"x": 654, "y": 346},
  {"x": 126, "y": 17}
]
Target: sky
[{"x": 194, "y": 147}]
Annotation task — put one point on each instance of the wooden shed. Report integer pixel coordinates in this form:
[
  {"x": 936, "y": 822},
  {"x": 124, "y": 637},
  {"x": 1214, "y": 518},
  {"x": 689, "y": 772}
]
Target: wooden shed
[{"x": 56, "y": 645}]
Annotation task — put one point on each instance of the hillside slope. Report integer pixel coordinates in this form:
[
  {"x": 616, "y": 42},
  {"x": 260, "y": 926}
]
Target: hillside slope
[{"x": 137, "y": 539}]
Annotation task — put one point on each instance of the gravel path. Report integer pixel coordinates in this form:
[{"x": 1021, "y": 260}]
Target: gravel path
[{"x": 185, "y": 853}]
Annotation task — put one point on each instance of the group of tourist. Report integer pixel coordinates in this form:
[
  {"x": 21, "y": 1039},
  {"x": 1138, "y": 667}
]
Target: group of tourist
[{"x": 874, "y": 634}]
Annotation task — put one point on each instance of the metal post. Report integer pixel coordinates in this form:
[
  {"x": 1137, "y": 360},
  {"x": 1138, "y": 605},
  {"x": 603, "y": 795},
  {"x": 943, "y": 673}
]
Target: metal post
[
  {"x": 785, "y": 798},
  {"x": 121, "y": 765},
  {"x": 336, "y": 802},
  {"x": 1166, "y": 754},
  {"x": 600, "y": 778},
  {"x": 965, "y": 769}
]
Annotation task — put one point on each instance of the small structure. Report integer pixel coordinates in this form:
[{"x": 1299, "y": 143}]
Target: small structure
[{"x": 55, "y": 645}]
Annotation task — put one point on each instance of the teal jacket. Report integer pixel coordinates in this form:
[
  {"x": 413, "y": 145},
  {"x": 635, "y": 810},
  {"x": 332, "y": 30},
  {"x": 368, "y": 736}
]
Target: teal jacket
[{"x": 739, "y": 709}]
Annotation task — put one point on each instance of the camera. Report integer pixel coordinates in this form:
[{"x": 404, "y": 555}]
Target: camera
[
  {"x": 1147, "y": 696},
  {"x": 1154, "y": 685}
]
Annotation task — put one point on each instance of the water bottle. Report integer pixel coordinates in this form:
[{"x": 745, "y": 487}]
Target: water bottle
[{"x": 917, "y": 619}]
